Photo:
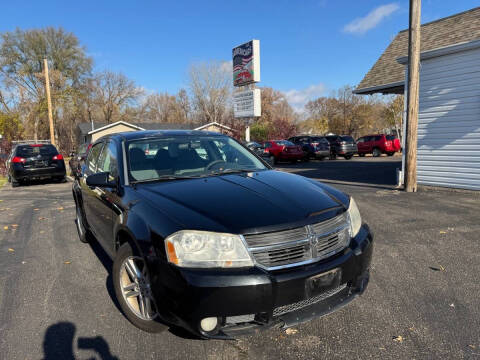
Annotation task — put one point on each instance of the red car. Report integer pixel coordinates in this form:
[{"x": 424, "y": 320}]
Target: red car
[
  {"x": 284, "y": 150},
  {"x": 378, "y": 144}
]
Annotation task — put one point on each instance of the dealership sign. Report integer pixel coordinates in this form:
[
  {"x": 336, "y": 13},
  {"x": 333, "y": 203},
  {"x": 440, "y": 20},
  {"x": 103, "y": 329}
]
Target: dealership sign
[
  {"x": 246, "y": 63},
  {"x": 247, "y": 103}
]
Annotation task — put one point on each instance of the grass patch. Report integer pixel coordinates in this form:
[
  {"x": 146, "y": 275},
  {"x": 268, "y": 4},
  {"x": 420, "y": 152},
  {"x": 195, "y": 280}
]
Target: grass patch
[{"x": 3, "y": 180}]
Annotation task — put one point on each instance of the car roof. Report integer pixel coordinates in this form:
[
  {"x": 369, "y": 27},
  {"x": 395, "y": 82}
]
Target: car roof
[{"x": 134, "y": 135}]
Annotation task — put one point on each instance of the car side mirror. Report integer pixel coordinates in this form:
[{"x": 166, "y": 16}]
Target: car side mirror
[{"x": 100, "y": 180}]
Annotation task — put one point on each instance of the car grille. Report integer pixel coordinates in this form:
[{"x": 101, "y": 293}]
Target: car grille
[
  {"x": 307, "y": 302},
  {"x": 292, "y": 247}
]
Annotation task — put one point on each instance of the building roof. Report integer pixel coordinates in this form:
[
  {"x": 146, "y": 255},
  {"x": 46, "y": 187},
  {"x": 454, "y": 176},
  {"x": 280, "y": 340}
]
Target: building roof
[
  {"x": 135, "y": 127},
  {"x": 388, "y": 76},
  {"x": 86, "y": 127},
  {"x": 214, "y": 123}
]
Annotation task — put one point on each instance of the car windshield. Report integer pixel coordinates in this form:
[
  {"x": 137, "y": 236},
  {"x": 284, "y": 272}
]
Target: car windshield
[
  {"x": 319, "y": 139},
  {"x": 35, "y": 150},
  {"x": 285, "y": 143},
  {"x": 179, "y": 157}
]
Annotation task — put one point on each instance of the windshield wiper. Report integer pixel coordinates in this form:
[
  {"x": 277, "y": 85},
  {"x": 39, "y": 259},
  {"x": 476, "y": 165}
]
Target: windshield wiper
[
  {"x": 233, "y": 171},
  {"x": 165, "y": 178}
]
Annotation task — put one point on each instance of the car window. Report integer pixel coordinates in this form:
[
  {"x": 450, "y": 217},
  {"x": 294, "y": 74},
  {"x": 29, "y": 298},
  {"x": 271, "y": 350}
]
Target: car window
[
  {"x": 360, "y": 140},
  {"x": 188, "y": 156},
  {"x": 378, "y": 138},
  {"x": 92, "y": 158},
  {"x": 347, "y": 138},
  {"x": 108, "y": 161},
  {"x": 26, "y": 151},
  {"x": 284, "y": 143},
  {"x": 267, "y": 144},
  {"x": 391, "y": 137}
]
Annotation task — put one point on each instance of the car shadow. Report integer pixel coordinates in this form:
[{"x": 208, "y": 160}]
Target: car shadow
[
  {"x": 59, "y": 339},
  {"x": 107, "y": 263}
]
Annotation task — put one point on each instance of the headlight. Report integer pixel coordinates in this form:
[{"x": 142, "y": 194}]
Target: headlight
[
  {"x": 203, "y": 249},
  {"x": 354, "y": 218}
]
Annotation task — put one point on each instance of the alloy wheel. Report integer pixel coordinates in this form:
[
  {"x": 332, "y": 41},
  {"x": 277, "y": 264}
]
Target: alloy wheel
[{"x": 136, "y": 289}]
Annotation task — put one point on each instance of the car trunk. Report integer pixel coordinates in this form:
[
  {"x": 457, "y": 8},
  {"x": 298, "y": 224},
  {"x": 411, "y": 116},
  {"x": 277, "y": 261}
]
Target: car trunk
[{"x": 38, "y": 156}]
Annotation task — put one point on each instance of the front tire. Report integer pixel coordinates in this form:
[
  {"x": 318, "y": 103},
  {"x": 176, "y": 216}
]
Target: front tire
[
  {"x": 376, "y": 152},
  {"x": 133, "y": 290},
  {"x": 81, "y": 228},
  {"x": 348, "y": 157}
]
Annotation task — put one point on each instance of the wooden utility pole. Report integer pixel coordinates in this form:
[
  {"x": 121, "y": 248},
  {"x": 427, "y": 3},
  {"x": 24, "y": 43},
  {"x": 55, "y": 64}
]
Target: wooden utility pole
[
  {"x": 412, "y": 96},
  {"x": 49, "y": 102}
]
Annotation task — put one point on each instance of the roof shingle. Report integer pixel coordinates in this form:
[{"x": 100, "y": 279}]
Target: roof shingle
[{"x": 387, "y": 75}]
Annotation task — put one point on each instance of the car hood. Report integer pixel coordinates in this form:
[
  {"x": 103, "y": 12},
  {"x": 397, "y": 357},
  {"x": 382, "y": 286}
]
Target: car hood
[{"x": 242, "y": 203}]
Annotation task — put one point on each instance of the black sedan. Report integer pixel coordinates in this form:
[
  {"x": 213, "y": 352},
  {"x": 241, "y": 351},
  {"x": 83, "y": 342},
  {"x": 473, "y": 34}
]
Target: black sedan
[
  {"x": 33, "y": 161},
  {"x": 206, "y": 236}
]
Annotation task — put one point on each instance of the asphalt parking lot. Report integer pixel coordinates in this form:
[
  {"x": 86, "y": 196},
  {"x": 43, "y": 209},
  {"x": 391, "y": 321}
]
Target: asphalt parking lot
[{"x": 422, "y": 302}]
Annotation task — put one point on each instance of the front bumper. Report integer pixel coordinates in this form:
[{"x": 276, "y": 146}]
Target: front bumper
[{"x": 246, "y": 300}]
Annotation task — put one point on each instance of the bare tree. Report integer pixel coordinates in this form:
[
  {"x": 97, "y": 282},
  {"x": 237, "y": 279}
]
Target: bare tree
[
  {"x": 184, "y": 102},
  {"x": 210, "y": 85},
  {"x": 113, "y": 93}
]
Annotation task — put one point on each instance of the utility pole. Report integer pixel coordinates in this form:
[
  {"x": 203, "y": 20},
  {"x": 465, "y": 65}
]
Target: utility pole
[
  {"x": 49, "y": 102},
  {"x": 412, "y": 96}
]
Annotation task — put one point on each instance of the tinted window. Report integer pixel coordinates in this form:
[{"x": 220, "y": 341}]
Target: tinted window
[
  {"x": 331, "y": 138},
  {"x": 347, "y": 138},
  {"x": 108, "y": 161},
  {"x": 284, "y": 143},
  {"x": 26, "y": 151},
  {"x": 391, "y": 137},
  {"x": 92, "y": 158},
  {"x": 268, "y": 144},
  {"x": 378, "y": 138}
]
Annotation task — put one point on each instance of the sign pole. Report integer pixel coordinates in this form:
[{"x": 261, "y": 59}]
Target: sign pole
[
  {"x": 49, "y": 102},
  {"x": 412, "y": 96},
  {"x": 247, "y": 132}
]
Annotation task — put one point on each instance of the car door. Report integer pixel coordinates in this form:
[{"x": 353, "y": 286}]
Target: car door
[
  {"x": 106, "y": 198},
  {"x": 361, "y": 145},
  {"x": 89, "y": 194}
]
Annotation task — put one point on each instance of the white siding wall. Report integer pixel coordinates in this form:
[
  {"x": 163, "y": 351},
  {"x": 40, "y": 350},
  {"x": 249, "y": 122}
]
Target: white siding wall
[{"x": 449, "y": 121}]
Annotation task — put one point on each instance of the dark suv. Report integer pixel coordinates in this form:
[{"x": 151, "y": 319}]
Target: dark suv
[
  {"x": 204, "y": 235},
  {"x": 342, "y": 145},
  {"x": 35, "y": 161},
  {"x": 314, "y": 146}
]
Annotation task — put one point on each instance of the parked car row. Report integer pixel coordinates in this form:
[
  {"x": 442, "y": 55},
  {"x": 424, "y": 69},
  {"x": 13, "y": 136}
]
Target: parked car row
[{"x": 305, "y": 147}]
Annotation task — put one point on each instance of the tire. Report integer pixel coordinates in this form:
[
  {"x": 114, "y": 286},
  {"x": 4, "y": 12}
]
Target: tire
[
  {"x": 361, "y": 155},
  {"x": 390, "y": 154},
  {"x": 15, "y": 183},
  {"x": 333, "y": 156},
  {"x": 348, "y": 157},
  {"x": 376, "y": 152},
  {"x": 127, "y": 263},
  {"x": 83, "y": 233}
]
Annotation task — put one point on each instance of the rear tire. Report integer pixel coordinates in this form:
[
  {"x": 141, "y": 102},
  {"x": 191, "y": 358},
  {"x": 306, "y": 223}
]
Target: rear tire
[
  {"x": 390, "y": 154},
  {"x": 130, "y": 276},
  {"x": 376, "y": 152},
  {"x": 14, "y": 183},
  {"x": 348, "y": 157}
]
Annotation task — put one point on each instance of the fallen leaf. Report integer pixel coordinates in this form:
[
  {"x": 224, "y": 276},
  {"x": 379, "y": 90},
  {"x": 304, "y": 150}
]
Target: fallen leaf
[
  {"x": 442, "y": 232},
  {"x": 14, "y": 225},
  {"x": 291, "y": 331},
  {"x": 5, "y": 228},
  {"x": 42, "y": 231},
  {"x": 412, "y": 328},
  {"x": 24, "y": 262},
  {"x": 11, "y": 250},
  {"x": 452, "y": 305},
  {"x": 442, "y": 268},
  {"x": 36, "y": 209},
  {"x": 450, "y": 229},
  {"x": 67, "y": 262},
  {"x": 472, "y": 346},
  {"x": 1, "y": 200},
  {"x": 41, "y": 218},
  {"x": 398, "y": 338},
  {"x": 60, "y": 208}
]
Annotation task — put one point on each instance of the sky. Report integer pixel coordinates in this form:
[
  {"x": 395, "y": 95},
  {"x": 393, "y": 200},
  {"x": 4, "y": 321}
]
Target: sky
[{"x": 308, "y": 48}]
